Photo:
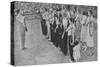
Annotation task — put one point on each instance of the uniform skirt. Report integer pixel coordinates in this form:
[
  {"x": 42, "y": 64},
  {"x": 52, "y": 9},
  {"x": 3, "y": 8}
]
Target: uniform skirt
[
  {"x": 44, "y": 27},
  {"x": 22, "y": 33}
]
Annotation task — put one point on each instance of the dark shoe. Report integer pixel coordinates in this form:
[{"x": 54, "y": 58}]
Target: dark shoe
[
  {"x": 47, "y": 37},
  {"x": 24, "y": 48}
]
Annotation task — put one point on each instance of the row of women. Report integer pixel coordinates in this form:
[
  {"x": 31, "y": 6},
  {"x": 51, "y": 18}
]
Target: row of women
[{"x": 69, "y": 30}]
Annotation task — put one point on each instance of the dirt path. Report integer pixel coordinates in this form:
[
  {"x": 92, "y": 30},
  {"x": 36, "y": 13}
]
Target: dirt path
[{"x": 39, "y": 50}]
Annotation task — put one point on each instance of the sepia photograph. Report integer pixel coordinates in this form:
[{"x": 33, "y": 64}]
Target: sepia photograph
[{"x": 52, "y": 33}]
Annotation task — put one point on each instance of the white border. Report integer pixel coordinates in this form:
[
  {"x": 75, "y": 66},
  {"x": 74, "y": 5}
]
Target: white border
[{"x": 5, "y": 32}]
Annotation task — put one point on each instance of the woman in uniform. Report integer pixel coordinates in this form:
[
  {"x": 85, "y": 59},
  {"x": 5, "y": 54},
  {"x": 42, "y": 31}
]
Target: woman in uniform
[
  {"x": 20, "y": 19},
  {"x": 71, "y": 30}
]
